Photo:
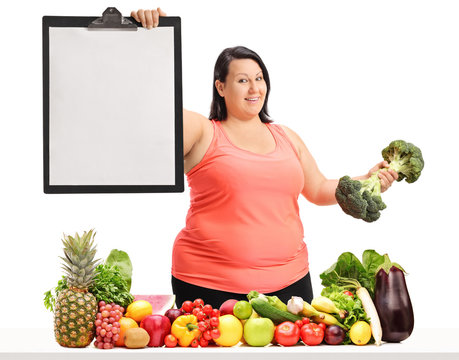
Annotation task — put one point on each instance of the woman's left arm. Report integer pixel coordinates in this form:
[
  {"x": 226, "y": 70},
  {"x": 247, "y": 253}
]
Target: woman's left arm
[{"x": 320, "y": 190}]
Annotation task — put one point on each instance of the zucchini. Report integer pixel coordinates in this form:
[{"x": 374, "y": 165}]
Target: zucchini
[{"x": 263, "y": 308}]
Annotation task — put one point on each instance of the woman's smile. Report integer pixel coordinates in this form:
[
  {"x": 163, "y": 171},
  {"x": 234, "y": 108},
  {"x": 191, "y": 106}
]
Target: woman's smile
[{"x": 252, "y": 100}]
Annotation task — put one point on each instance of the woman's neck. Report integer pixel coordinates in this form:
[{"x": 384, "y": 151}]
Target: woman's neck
[{"x": 234, "y": 122}]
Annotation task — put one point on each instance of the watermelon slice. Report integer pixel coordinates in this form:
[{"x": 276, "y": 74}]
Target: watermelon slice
[{"x": 160, "y": 303}]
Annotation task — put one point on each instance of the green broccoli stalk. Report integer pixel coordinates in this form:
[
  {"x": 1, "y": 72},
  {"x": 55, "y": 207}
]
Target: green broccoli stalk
[{"x": 362, "y": 198}]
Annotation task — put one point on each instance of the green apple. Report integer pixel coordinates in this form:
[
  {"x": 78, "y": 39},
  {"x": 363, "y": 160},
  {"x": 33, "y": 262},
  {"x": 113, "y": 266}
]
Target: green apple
[{"x": 258, "y": 331}]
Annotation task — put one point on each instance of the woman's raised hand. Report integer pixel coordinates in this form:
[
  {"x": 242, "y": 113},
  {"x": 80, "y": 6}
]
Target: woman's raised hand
[{"x": 148, "y": 18}]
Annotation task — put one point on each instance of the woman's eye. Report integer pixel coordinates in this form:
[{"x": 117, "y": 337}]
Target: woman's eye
[
  {"x": 243, "y": 80},
  {"x": 259, "y": 78}
]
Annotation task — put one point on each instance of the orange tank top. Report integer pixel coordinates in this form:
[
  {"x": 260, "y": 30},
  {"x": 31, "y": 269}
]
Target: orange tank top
[{"x": 243, "y": 230}]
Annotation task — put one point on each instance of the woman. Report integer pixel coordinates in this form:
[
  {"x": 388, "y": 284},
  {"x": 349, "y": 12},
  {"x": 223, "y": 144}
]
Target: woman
[{"x": 243, "y": 230}]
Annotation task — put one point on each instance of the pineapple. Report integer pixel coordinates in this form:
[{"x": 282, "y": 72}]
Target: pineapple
[{"x": 76, "y": 308}]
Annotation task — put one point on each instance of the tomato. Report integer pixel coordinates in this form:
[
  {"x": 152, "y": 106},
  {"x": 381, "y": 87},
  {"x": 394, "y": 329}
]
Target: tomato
[
  {"x": 287, "y": 333},
  {"x": 198, "y": 303},
  {"x": 200, "y": 315},
  {"x": 322, "y": 326},
  {"x": 214, "y": 321},
  {"x": 207, "y": 309},
  {"x": 195, "y": 343},
  {"x": 187, "y": 306},
  {"x": 215, "y": 313},
  {"x": 170, "y": 341},
  {"x": 347, "y": 292},
  {"x": 203, "y": 342},
  {"x": 312, "y": 334},
  {"x": 299, "y": 323},
  {"x": 306, "y": 320},
  {"x": 215, "y": 333},
  {"x": 207, "y": 335},
  {"x": 195, "y": 312}
]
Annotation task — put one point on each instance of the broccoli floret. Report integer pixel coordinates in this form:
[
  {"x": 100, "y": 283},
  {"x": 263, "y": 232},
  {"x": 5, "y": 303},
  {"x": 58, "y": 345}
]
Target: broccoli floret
[
  {"x": 405, "y": 158},
  {"x": 360, "y": 198}
]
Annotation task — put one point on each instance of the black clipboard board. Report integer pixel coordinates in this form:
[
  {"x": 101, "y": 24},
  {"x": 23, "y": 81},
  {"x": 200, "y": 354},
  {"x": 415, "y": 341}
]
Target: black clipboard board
[{"x": 112, "y": 120}]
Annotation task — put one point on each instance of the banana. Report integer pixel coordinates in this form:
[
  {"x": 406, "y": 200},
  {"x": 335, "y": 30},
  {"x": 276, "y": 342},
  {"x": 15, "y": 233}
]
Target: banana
[
  {"x": 309, "y": 310},
  {"x": 324, "y": 304},
  {"x": 328, "y": 319}
]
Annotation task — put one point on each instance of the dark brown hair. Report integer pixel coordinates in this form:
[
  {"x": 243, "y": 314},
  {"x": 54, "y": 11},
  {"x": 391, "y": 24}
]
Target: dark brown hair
[{"x": 218, "y": 107}]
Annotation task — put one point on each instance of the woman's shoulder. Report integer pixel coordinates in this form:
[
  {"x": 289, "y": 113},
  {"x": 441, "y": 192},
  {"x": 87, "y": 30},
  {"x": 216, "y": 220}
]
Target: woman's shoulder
[{"x": 292, "y": 136}]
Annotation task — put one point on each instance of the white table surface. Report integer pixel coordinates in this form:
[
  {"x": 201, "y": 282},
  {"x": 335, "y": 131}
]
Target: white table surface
[{"x": 435, "y": 344}]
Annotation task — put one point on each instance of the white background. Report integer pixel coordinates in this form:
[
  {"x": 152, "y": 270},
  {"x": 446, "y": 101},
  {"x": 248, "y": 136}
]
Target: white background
[{"x": 347, "y": 76}]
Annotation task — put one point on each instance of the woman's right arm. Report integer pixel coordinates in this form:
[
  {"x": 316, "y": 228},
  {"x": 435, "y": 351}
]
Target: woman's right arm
[
  {"x": 193, "y": 123},
  {"x": 193, "y": 129}
]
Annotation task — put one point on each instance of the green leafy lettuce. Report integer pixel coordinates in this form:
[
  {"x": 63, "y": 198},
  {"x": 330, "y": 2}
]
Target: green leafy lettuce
[
  {"x": 121, "y": 259},
  {"x": 349, "y": 272}
]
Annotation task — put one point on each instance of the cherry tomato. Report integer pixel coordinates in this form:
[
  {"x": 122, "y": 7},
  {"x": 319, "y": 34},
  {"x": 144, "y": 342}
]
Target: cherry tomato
[
  {"x": 195, "y": 343},
  {"x": 207, "y": 335},
  {"x": 187, "y": 306},
  {"x": 312, "y": 334},
  {"x": 207, "y": 309},
  {"x": 198, "y": 303},
  {"x": 203, "y": 342},
  {"x": 299, "y": 323},
  {"x": 200, "y": 314},
  {"x": 202, "y": 326},
  {"x": 215, "y": 333},
  {"x": 196, "y": 311},
  {"x": 322, "y": 326},
  {"x": 214, "y": 321},
  {"x": 170, "y": 341},
  {"x": 347, "y": 292},
  {"x": 215, "y": 313},
  {"x": 287, "y": 333},
  {"x": 306, "y": 320}
]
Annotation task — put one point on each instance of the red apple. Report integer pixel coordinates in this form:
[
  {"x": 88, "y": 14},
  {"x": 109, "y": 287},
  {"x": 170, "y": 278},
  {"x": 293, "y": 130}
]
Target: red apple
[
  {"x": 227, "y": 307},
  {"x": 157, "y": 326}
]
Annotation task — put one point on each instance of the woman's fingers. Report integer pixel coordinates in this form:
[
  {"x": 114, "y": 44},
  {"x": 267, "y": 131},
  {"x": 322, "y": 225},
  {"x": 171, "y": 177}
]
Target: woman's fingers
[
  {"x": 155, "y": 15},
  {"x": 135, "y": 16},
  {"x": 148, "y": 18},
  {"x": 141, "y": 16},
  {"x": 387, "y": 178}
]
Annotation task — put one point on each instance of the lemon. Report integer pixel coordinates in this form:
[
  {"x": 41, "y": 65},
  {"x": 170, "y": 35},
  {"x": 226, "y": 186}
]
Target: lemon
[
  {"x": 139, "y": 309},
  {"x": 230, "y": 328},
  {"x": 360, "y": 333}
]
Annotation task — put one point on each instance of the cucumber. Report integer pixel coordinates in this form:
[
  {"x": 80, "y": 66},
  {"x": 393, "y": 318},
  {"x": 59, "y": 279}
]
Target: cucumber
[{"x": 265, "y": 309}]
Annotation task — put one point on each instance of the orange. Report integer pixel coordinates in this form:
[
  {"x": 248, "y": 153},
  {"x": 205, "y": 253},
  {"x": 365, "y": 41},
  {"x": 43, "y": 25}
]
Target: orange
[
  {"x": 139, "y": 309},
  {"x": 125, "y": 323}
]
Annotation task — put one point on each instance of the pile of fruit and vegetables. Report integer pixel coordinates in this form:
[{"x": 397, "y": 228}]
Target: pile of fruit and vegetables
[{"x": 362, "y": 302}]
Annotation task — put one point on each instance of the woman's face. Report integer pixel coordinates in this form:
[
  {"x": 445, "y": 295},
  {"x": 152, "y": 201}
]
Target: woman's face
[{"x": 244, "y": 89}]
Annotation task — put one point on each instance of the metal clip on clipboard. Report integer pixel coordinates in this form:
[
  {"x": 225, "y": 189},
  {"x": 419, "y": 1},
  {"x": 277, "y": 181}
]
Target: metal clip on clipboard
[{"x": 112, "y": 20}]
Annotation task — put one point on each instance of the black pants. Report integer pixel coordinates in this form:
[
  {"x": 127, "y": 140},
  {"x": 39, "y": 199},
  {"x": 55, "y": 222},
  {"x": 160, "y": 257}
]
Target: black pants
[{"x": 186, "y": 291}]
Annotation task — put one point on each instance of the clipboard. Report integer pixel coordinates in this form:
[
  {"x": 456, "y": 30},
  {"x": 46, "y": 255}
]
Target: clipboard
[{"x": 112, "y": 105}]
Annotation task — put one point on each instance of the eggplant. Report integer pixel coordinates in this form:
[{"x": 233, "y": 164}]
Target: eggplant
[{"x": 393, "y": 303}]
